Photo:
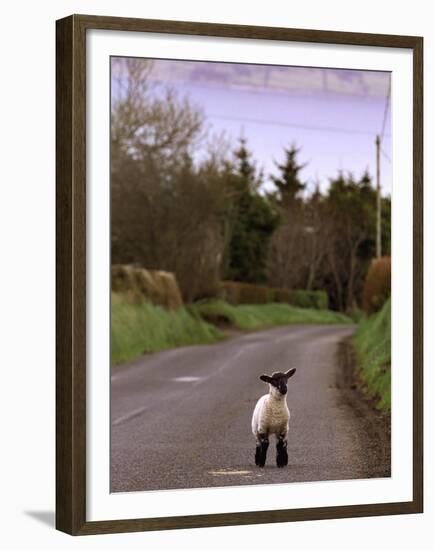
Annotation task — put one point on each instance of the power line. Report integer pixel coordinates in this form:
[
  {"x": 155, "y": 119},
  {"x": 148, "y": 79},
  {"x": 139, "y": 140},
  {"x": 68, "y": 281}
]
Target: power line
[
  {"x": 333, "y": 129},
  {"x": 386, "y": 156}
]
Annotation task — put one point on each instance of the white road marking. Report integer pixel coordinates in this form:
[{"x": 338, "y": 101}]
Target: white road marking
[
  {"x": 193, "y": 379},
  {"x": 128, "y": 416},
  {"x": 229, "y": 472},
  {"x": 186, "y": 379},
  {"x": 239, "y": 352}
]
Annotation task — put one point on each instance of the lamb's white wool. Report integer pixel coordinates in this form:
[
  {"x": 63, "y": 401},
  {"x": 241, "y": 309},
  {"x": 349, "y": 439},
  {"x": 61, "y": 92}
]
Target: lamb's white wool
[{"x": 271, "y": 416}]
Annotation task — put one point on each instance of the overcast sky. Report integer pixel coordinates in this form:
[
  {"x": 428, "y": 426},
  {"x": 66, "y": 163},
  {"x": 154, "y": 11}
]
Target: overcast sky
[{"x": 333, "y": 115}]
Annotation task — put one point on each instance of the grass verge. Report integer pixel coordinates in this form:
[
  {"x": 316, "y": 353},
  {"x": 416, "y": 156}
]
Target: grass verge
[
  {"x": 250, "y": 317},
  {"x": 138, "y": 328},
  {"x": 373, "y": 353}
]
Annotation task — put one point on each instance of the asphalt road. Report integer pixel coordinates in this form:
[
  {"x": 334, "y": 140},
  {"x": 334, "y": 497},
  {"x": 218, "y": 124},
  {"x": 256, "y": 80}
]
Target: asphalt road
[{"x": 181, "y": 418}]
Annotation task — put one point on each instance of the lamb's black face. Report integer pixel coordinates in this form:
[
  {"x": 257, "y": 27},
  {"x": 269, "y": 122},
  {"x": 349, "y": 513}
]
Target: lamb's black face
[
  {"x": 281, "y": 384},
  {"x": 279, "y": 380}
]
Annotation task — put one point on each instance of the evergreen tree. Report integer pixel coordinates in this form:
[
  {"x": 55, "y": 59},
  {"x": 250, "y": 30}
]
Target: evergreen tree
[
  {"x": 288, "y": 182},
  {"x": 254, "y": 222}
]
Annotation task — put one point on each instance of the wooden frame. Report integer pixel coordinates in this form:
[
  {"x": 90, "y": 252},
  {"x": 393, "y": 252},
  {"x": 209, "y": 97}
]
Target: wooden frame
[{"x": 71, "y": 274}]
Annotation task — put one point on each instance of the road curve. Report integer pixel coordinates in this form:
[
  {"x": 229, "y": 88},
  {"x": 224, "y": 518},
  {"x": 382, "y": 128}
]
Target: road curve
[{"x": 181, "y": 418}]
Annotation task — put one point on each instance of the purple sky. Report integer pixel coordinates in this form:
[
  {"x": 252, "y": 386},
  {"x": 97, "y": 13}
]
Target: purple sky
[{"x": 333, "y": 115}]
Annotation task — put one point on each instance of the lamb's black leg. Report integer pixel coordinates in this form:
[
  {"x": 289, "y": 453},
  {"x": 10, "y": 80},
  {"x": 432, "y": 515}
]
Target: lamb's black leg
[
  {"x": 262, "y": 443},
  {"x": 282, "y": 453}
]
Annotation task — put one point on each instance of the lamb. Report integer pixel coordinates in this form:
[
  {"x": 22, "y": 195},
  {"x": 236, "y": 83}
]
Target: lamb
[{"x": 271, "y": 416}]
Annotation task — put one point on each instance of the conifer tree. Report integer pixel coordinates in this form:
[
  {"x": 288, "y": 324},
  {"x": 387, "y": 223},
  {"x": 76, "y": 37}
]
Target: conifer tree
[
  {"x": 288, "y": 182},
  {"x": 254, "y": 222}
]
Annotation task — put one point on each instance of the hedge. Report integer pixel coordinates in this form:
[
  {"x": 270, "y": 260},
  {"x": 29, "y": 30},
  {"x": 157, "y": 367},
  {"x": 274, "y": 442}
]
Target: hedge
[
  {"x": 236, "y": 293},
  {"x": 245, "y": 293}
]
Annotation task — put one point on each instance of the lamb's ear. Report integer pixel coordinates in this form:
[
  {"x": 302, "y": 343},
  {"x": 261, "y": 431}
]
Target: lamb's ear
[
  {"x": 290, "y": 373},
  {"x": 265, "y": 378}
]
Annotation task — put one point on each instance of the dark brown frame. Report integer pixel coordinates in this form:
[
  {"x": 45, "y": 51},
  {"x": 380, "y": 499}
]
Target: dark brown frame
[{"x": 71, "y": 274}]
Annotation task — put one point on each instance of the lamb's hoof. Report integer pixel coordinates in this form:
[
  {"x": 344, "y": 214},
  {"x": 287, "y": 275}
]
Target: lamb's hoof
[
  {"x": 281, "y": 462},
  {"x": 259, "y": 461},
  {"x": 260, "y": 457},
  {"x": 282, "y": 455}
]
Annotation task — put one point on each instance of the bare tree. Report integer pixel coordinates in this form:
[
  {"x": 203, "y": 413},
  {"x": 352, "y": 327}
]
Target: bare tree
[
  {"x": 150, "y": 119},
  {"x": 285, "y": 263},
  {"x": 168, "y": 210},
  {"x": 316, "y": 238},
  {"x": 350, "y": 212},
  {"x": 325, "y": 241}
]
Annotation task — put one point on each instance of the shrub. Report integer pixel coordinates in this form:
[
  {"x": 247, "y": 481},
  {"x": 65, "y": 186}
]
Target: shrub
[
  {"x": 312, "y": 299},
  {"x": 377, "y": 287},
  {"x": 159, "y": 288}
]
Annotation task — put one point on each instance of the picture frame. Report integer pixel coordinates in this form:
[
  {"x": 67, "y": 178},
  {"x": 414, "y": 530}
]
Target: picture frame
[{"x": 72, "y": 255}]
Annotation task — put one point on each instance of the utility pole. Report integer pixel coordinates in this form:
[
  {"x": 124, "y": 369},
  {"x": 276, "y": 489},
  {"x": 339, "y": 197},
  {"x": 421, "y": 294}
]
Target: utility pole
[{"x": 378, "y": 247}]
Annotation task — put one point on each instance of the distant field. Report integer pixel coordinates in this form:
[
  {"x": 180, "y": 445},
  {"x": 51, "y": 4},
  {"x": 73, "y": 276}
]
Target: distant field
[
  {"x": 372, "y": 342},
  {"x": 139, "y": 328}
]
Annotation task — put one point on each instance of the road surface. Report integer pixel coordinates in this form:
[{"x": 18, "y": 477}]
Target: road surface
[{"x": 181, "y": 418}]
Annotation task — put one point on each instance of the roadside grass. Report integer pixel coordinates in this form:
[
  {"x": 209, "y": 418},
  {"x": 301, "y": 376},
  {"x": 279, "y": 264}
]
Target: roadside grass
[
  {"x": 372, "y": 343},
  {"x": 250, "y": 317},
  {"x": 139, "y": 328}
]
